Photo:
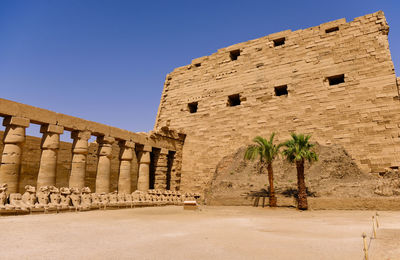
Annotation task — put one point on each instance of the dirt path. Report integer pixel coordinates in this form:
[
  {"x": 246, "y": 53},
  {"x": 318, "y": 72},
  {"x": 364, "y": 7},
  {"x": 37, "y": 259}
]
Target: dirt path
[{"x": 212, "y": 233}]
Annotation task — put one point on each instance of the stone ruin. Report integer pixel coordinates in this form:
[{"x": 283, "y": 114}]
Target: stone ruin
[
  {"x": 50, "y": 199},
  {"x": 157, "y": 155},
  {"x": 150, "y": 161},
  {"x": 335, "y": 81}
]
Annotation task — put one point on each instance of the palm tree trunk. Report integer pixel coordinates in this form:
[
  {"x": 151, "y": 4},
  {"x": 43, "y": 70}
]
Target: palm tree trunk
[
  {"x": 272, "y": 198},
  {"x": 302, "y": 194},
  {"x": 261, "y": 167}
]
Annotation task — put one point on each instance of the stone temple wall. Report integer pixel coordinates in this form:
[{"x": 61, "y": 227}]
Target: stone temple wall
[{"x": 335, "y": 81}]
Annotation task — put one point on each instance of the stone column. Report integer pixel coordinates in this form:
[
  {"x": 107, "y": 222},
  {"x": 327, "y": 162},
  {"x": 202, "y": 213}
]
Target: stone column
[
  {"x": 48, "y": 159},
  {"x": 80, "y": 149},
  {"x": 104, "y": 164},
  {"x": 161, "y": 169},
  {"x": 125, "y": 163},
  {"x": 144, "y": 169},
  {"x": 175, "y": 171},
  {"x": 13, "y": 139}
]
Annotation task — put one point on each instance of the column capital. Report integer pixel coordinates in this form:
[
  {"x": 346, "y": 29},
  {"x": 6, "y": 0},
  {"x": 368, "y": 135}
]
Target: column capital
[
  {"x": 15, "y": 130},
  {"x": 18, "y": 121},
  {"x": 105, "y": 139},
  {"x": 147, "y": 148},
  {"x": 126, "y": 150},
  {"x": 54, "y": 129},
  {"x": 84, "y": 134},
  {"x": 80, "y": 144},
  {"x": 126, "y": 144}
]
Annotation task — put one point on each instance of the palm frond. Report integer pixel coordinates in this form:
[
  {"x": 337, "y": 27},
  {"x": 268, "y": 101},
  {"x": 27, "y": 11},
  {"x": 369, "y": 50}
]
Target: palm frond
[
  {"x": 251, "y": 153},
  {"x": 299, "y": 148},
  {"x": 264, "y": 149}
]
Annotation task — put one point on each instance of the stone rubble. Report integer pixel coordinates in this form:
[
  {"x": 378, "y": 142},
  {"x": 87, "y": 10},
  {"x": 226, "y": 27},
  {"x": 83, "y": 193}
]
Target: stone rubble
[{"x": 50, "y": 199}]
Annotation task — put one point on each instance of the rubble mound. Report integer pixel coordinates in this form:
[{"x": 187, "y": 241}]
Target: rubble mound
[{"x": 335, "y": 174}]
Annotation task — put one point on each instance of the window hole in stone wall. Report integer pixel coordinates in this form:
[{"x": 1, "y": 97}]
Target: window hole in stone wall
[
  {"x": 281, "y": 91},
  {"x": 279, "y": 42},
  {"x": 234, "y": 54},
  {"x": 197, "y": 65},
  {"x": 336, "y": 80},
  {"x": 234, "y": 100},
  {"x": 333, "y": 29},
  {"x": 193, "y": 107}
]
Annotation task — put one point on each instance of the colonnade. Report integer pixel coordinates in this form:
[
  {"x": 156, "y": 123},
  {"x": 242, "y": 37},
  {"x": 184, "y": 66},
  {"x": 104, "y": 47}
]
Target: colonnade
[{"x": 14, "y": 137}]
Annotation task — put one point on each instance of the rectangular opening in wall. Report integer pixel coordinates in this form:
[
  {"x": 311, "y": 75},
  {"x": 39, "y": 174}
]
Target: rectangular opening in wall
[
  {"x": 152, "y": 170},
  {"x": 234, "y": 100},
  {"x": 279, "y": 42},
  {"x": 335, "y": 80},
  {"x": 281, "y": 91},
  {"x": 234, "y": 54},
  {"x": 197, "y": 65},
  {"x": 193, "y": 107},
  {"x": 333, "y": 29}
]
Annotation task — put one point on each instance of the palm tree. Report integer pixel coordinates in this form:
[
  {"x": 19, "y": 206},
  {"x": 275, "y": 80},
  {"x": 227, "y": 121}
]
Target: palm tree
[
  {"x": 297, "y": 150},
  {"x": 266, "y": 151}
]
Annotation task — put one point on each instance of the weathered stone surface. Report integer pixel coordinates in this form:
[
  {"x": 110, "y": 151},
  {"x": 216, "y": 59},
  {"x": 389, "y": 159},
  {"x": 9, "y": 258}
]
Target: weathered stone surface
[
  {"x": 126, "y": 156},
  {"x": 80, "y": 143},
  {"x": 48, "y": 159},
  {"x": 11, "y": 165},
  {"x": 43, "y": 117},
  {"x": 18, "y": 116},
  {"x": 144, "y": 170},
  {"x": 31, "y": 159},
  {"x": 17, "y": 121},
  {"x": 80, "y": 149},
  {"x": 361, "y": 113},
  {"x": 56, "y": 129},
  {"x": 12, "y": 152},
  {"x": 161, "y": 169},
  {"x": 104, "y": 164}
]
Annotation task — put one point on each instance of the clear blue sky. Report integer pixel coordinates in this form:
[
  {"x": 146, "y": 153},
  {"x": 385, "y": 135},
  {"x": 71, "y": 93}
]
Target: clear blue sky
[{"x": 106, "y": 61}]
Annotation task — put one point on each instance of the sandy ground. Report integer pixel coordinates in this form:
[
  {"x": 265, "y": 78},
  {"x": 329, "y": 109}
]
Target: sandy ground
[{"x": 210, "y": 233}]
